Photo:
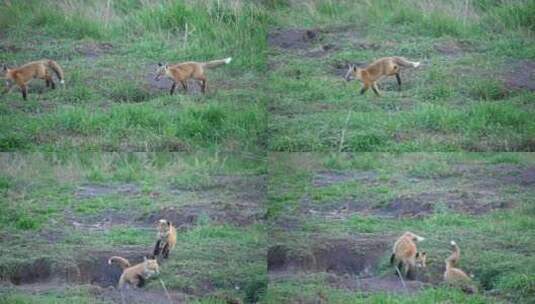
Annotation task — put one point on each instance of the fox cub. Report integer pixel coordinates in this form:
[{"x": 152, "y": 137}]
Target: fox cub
[
  {"x": 137, "y": 274},
  {"x": 405, "y": 255},
  {"x": 181, "y": 72},
  {"x": 455, "y": 276},
  {"x": 35, "y": 69},
  {"x": 166, "y": 238},
  {"x": 387, "y": 66}
]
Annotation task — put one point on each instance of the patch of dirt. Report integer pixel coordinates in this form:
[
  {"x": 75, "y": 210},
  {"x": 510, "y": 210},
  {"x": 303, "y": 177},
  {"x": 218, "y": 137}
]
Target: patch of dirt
[
  {"x": 454, "y": 48},
  {"x": 388, "y": 284},
  {"x": 328, "y": 178},
  {"x": 521, "y": 75},
  {"x": 94, "y": 50},
  {"x": 356, "y": 255},
  {"x": 98, "y": 190},
  {"x": 293, "y": 38},
  {"x": 141, "y": 296}
]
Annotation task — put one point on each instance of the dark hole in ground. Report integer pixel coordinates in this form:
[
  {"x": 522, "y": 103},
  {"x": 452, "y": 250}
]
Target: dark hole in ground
[
  {"x": 351, "y": 255},
  {"x": 293, "y": 38},
  {"x": 37, "y": 271}
]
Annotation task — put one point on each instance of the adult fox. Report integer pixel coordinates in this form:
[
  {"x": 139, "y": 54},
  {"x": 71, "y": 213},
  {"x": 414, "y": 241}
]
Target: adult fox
[
  {"x": 181, "y": 72},
  {"x": 35, "y": 69},
  {"x": 137, "y": 274},
  {"x": 166, "y": 238},
  {"x": 455, "y": 276},
  {"x": 405, "y": 255},
  {"x": 387, "y": 66}
]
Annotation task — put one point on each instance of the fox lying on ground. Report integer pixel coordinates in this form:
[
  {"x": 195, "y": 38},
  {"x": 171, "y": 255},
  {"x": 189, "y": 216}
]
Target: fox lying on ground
[
  {"x": 166, "y": 238},
  {"x": 387, "y": 66},
  {"x": 35, "y": 69},
  {"x": 405, "y": 255},
  {"x": 137, "y": 274},
  {"x": 181, "y": 72}
]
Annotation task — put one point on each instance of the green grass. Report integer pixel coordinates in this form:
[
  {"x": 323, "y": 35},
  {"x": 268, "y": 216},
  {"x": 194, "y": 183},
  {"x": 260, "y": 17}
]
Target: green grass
[
  {"x": 494, "y": 243},
  {"x": 457, "y": 100},
  {"x": 78, "y": 207}
]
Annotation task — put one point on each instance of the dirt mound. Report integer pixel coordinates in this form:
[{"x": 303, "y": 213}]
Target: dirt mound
[
  {"x": 358, "y": 255},
  {"x": 293, "y": 38},
  {"x": 237, "y": 213},
  {"x": 98, "y": 190},
  {"x": 521, "y": 75},
  {"x": 328, "y": 178},
  {"x": 94, "y": 50}
]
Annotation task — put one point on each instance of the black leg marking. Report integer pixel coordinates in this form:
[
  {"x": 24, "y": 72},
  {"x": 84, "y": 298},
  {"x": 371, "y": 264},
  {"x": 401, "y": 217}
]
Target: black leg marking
[
  {"x": 173, "y": 88},
  {"x": 363, "y": 90},
  {"x": 141, "y": 281},
  {"x": 165, "y": 251},
  {"x": 53, "y": 84},
  {"x": 184, "y": 85},
  {"x": 157, "y": 248},
  {"x": 399, "y": 80},
  {"x": 375, "y": 91},
  {"x": 24, "y": 93},
  {"x": 47, "y": 82}
]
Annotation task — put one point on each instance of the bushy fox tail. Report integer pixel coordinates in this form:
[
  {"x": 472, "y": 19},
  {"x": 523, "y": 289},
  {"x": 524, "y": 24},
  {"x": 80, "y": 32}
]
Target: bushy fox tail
[
  {"x": 406, "y": 63},
  {"x": 123, "y": 263},
  {"x": 453, "y": 259},
  {"x": 57, "y": 69},
  {"x": 216, "y": 63}
]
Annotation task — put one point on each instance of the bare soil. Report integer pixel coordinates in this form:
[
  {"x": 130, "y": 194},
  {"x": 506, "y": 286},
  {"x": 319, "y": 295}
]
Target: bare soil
[{"x": 521, "y": 75}]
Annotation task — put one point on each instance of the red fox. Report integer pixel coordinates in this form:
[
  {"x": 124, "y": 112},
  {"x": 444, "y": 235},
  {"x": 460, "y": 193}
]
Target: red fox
[
  {"x": 455, "y": 276},
  {"x": 35, "y": 69},
  {"x": 181, "y": 72},
  {"x": 405, "y": 255},
  {"x": 137, "y": 274},
  {"x": 166, "y": 238},
  {"x": 387, "y": 66}
]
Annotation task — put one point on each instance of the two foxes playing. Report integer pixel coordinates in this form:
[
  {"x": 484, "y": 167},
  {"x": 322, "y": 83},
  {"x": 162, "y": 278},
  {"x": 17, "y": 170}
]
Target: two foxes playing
[{"x": 179, "y": 73}]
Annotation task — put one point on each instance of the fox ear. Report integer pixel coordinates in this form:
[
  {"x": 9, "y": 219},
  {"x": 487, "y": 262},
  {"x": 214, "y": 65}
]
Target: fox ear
[
  {"x": 168, "y": 223},
  {"x": 424, "y": 253},
  {"x": 417, "y": 253},
  {"x": 354, "y": 68},
  {"x": 4, "y": 67},
  {"x": 160, "y": 64}
]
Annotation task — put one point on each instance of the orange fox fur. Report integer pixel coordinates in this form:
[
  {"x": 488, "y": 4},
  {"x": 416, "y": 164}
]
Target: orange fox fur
[
  {"x": 166, "y": 238},
  {"x": 137, "y": 274},
  {"x": 181, "y": 72},
  {"x": 35, "y": 69},
  {"x": 405, "y": 255},
  {"x": 455, "y": 276},
  {"x": 387, "y": 66}
]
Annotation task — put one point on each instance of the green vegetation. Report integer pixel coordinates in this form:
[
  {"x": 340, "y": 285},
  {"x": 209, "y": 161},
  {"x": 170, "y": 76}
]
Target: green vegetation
[
  {"x": 80, "y": 209},
  {"x": 357, "y": 204},
  {"x": 468, "y": 93},
  {"x": 109, "y": 51}
]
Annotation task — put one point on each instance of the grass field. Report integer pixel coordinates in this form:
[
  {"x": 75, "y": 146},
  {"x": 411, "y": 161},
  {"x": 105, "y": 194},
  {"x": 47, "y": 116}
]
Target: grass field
[
  {"x": 333, "y": 220},
  {"x": 63, "y": 216},
  {"x": 109, "y": 51},
  {"x": 473, "y": 92}
]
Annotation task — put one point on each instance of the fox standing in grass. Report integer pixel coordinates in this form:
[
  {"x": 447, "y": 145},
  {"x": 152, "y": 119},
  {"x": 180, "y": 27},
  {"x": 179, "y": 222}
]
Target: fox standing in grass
[
  {"x": 181, "y": 72},
  {"x": 387, "y": 66},
  {"x": 166, "y": 238},
  {"x": 35, "y": 69},
  {"x": 455, "y": 276},
  {"x": 137, "y": 274},
  {"x": 405, "y": 256}
]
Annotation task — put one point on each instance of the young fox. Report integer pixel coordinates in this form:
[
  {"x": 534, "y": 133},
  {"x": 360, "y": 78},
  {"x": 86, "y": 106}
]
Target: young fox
[
  {"x": 166, "y": 238},
  {"x": 405, "y": 255},
  {"x": 137, "y": 274},
  {"x": 455, "y": 276},
  {"x": 387, "y": 66},
  {"x": 36, "y": 69},
  {"x": 181, "y": 72}
]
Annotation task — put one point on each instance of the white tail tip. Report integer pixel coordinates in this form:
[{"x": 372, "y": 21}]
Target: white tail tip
[
  {"x": 228, "y": 60},
  {"x": 62, "y": 81},
  {"x": 109, "y": 261},
  {"x": 416, "y": 64},
  {"x": 453, "y": 243},
  {"x": 419, "y": 238}
]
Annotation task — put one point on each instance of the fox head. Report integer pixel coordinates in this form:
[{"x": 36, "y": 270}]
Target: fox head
[
  {"x": 161, "y": 70},
  {"x": 163, "y": 227},
  {"x": 415, "y": 238},
  {"x": 151, "y": 265},
  {"x": 421, "y": 257},
  {"x": 353, "y": 72}
]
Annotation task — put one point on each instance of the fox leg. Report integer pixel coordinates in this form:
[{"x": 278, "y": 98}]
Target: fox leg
[
  {"x": 50, "y": 81},
  {"x": 140, "y": 281},
  {"x": 364, "y": 89},
  {"x": 184, "y": 85},
  {"x": 375, "y": 90},
  {"x": 204, "y": 84},
  {"x": 24, "y": 90},
  {"x": 156, "y": 251},
  {"x": 165, "y": 251},
  {"x": 399, "y": 80},
  {"x": 173, "y": 88}
]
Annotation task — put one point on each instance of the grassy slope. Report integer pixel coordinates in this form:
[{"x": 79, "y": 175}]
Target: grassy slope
[
  {"x": 110, "y": 101},
  {"x": 215, "y": 257},
  {"x": 456, "y": 101},
  {"x": 496, "y": 245}
]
